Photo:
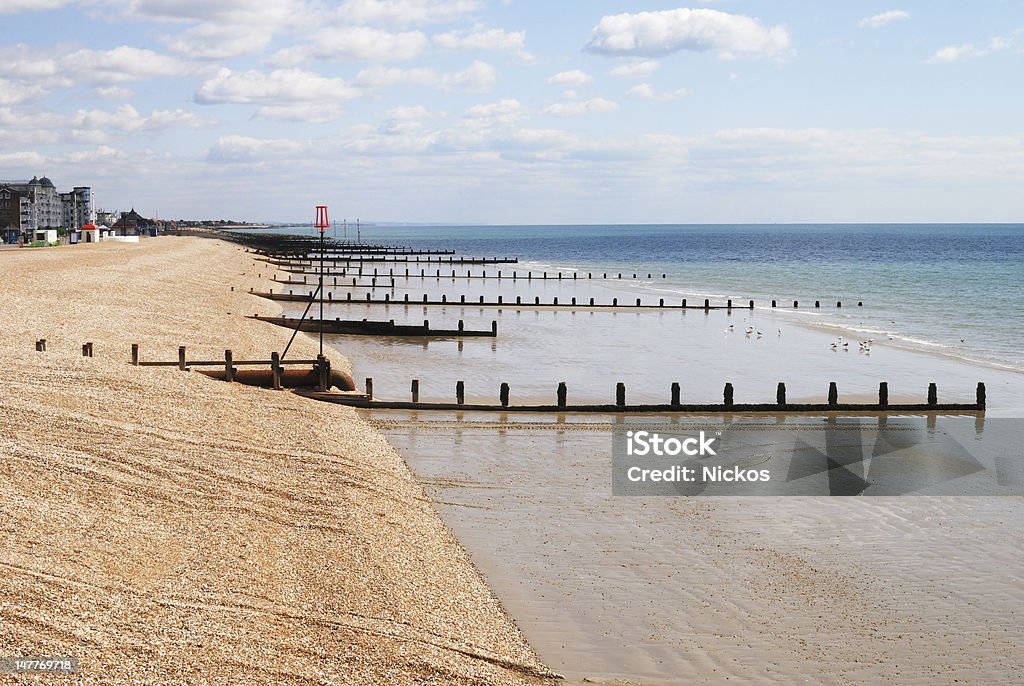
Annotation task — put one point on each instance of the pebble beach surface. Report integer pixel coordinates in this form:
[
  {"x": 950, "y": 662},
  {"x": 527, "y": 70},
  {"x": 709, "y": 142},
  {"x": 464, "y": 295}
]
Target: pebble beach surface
[{"x": 163, "y": 527}]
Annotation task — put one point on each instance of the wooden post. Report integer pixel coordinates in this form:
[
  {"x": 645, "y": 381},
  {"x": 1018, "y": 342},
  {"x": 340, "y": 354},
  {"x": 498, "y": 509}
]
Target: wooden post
[
  {"x": 460, "y": 393},
  {"x": 728, "y": 304},
  {"x": 727, "y": 395},
  {"x": 461, "y": 325},
  {"x": 796, "y": 304},
  {"x": 833, "y": 393},
  {"x": 135, "y": 354},
  {"x": 229, "y": 367},
  {"x": 275, "y": 370},
  {"x": 324, "y": 368},
  {"x": 980, "y": 396},
  {"x": 684, "y": 304},
  {"x": 675, "y": 393},
  {"x": 620, "y": 394},
  {"x": 751, "y": 304},
  {"x": 41, "y": 345},
  {"x": 181, "y": 357},
  {"x": 561, "y": 393},
  {"x": 369, "y": 388},
  {"x": 415, "y": 390},
  {"x": 503, "y": 394},
  {"x": 780, "y": 394},
  {"x": 933, "y": 394},
  {"x": 817, "y": 303},
  {"x": 494, "y": 327},
  {"x": 615, "y": 302},
  {"x": 883, "y": 394},
  {"x": 85, "y": 350},
  {"x": 773, "y": 303},
  {"x": 707, "y": 304},
  {"x": 839, "y": 303}
]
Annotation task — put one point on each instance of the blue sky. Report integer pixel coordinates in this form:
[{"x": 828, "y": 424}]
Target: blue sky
[{"x": 515, "y": 111}]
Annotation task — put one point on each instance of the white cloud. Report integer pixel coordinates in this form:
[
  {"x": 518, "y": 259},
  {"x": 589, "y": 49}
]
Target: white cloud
[
  {"x": 244, "y": 149},
  {"x": 62, "y": 67},
  {"x": 405, "y": 12},
  {"x": 406, "y": 120},
  {"x": 127, "y": 118},
  {"x": 114, "y": 93},
  {"x": 955, "y": 53},
  {"x": 364, "y": 44},
  {"x": 221, "y": 29},
  {"x": 880, "y": 20},
  {"x": 699, "y": 30},
  {"x": 573, "y": 109},
  {"x": 119, "y": 65},
  {"x": 575, "y": 77},
  {"x": 636, "y": 70},
  {"x": 14, "y": 6},
  {"x": 513, "y": 42},
  {"x": 504, "y": 112},
  {"x": 212, "y": 41},
  {"x": 476, "y": 78},
  {"x": 645, "y": 91},
  {"x": 12, "y": 93},
  {"x": 23, "y": 160},
  {"x": 408, "y": 113},
  {"x": 291, "y": 94},
  {"x": 255, "y": 87}
]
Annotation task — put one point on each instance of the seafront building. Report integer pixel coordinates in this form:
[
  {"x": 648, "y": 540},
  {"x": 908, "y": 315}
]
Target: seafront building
[{"x": 37, "y": 205}]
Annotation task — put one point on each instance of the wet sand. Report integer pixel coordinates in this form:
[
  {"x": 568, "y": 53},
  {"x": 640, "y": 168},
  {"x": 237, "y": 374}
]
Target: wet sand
[
  {"x": 713, "y": 590},
  {"x": 164, "y": 527}
]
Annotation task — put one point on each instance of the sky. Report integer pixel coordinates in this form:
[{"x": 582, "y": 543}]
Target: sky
[{"x": 521, "y": 111}]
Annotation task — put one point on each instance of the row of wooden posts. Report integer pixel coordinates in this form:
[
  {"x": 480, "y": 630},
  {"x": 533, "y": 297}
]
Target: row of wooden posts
[
  {"x": 231, "y": 365},
  {"x": 536, "y": 301},
  {"x": 469, "y": 275},
  {"x": 86, "y": 347},
  {"x": 728, "y": 398}
]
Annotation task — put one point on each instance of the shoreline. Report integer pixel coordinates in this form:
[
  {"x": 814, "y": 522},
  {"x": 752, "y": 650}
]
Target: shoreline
[{"x": 190, "y": 530}]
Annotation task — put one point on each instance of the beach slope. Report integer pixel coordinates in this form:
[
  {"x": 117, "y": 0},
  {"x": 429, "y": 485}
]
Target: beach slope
[{"x": 163, "y": 527}]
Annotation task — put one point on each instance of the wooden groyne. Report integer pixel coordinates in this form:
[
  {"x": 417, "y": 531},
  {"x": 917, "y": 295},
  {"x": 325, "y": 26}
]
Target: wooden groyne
[
  {"x": 389, "y": 259},
  {"x": 674, "y": 406},
  {"x": 518, "y": 303},
  {"x": 378, "y": 328}
]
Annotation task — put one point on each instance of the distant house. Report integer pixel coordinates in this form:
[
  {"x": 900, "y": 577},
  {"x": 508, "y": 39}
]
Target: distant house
[{"x": 132, "y": 224}]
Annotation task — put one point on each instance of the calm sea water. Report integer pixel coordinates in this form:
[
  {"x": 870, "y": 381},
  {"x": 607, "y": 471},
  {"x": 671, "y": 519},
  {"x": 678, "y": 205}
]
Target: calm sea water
[{"x": 953, "y": 289}]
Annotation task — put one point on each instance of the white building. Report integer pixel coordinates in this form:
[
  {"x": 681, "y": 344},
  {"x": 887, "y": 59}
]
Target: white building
[
  {"x": 77, "y": 208},
  {"x": 40, "y": 206}
]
